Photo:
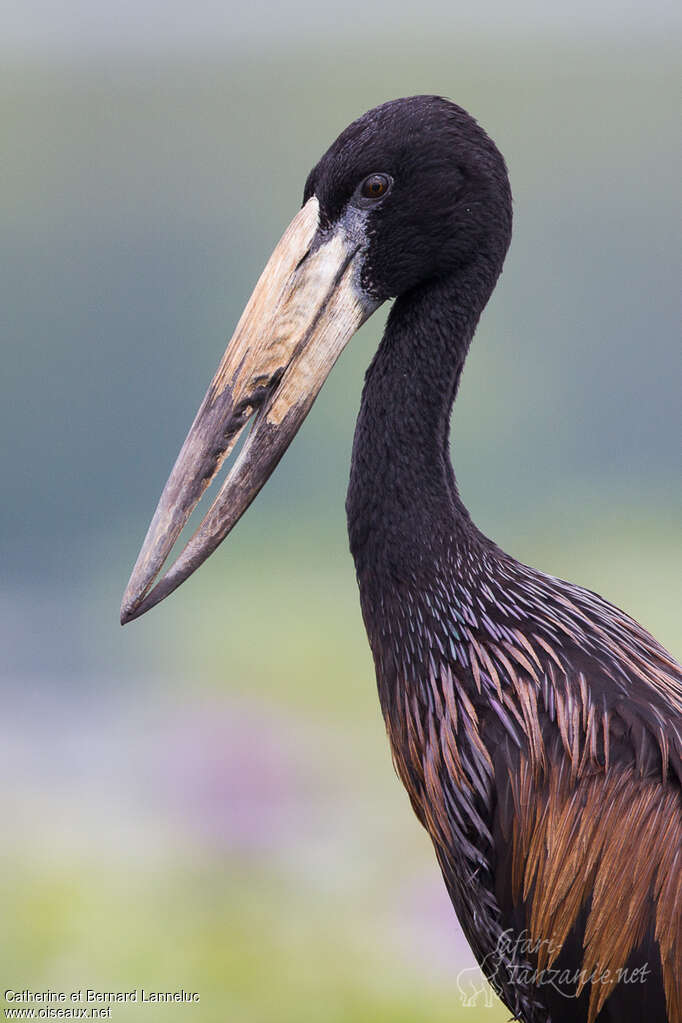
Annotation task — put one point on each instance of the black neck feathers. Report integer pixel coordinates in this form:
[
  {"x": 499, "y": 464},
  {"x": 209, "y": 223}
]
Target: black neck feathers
[{"x": 402, "y": 503}]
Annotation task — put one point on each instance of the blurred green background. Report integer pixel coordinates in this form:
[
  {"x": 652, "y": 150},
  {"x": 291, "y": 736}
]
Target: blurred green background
[{"x": 206, "y": 799}]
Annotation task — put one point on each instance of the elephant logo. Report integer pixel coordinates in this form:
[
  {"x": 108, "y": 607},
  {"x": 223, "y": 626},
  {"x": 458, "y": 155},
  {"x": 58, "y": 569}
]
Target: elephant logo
[{"x": 474, "y": 989}]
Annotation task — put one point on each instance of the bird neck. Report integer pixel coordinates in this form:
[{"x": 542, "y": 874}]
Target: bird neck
[{"x": 403, "y": 506}]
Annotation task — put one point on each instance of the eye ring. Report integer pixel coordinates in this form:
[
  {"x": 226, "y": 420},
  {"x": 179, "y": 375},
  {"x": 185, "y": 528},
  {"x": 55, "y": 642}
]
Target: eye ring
[{"x": 375, "y": 186}]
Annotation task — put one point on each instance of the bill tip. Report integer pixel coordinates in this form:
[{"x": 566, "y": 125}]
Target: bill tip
[
  {"x": 130, "y": 609},
  {"x": 127, "y": 615}
]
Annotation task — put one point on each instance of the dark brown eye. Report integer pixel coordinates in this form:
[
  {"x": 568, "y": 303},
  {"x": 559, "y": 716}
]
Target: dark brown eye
[{"x": 375, "y": 186}]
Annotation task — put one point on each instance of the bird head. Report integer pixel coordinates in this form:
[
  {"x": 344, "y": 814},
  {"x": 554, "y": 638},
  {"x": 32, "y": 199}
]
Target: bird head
[
  {"x": 412, "y": 190},
  {"x": 421, "y": 186}
]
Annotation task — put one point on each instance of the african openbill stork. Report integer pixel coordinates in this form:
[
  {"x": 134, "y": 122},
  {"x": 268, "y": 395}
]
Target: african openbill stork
[{"x": 536, "y": 727}]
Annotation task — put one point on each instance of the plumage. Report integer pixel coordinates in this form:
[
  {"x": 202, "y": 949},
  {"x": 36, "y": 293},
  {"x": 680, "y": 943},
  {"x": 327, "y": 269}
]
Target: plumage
[{"x": 536, "y": 728}]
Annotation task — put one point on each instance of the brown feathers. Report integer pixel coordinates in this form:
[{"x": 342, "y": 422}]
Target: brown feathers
[
  {"x": 587, "y": 747},
  {"x": 614, "y": 839}
]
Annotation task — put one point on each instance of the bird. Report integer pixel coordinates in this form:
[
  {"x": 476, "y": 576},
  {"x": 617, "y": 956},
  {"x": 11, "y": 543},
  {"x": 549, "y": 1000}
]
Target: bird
[{"x": 536, "y": 727}]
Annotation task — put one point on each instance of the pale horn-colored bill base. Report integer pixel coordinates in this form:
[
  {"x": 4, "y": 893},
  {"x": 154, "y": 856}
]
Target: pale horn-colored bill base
[{"x": 304, "y": 309}]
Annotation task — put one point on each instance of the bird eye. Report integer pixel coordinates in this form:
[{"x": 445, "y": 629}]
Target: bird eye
[{"x": 375, "y": 186}]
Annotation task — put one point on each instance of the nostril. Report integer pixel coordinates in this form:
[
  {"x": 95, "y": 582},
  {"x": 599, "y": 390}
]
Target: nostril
[{"x": 302, "y": 260}]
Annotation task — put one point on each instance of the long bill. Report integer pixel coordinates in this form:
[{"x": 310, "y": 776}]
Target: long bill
[{"x": 304, "y": 309}]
